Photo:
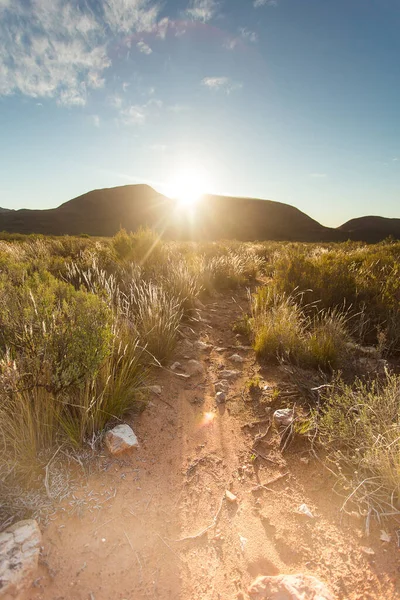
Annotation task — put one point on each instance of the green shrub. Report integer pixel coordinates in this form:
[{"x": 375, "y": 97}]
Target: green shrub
[{"x": 359, "y": 428}]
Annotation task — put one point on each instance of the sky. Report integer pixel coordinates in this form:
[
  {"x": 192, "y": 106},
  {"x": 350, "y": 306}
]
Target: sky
[{"x": 292, "y": 100}]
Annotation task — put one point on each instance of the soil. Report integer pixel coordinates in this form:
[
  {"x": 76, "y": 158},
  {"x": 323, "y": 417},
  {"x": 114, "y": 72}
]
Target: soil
[{"x": 157, "y": 523}]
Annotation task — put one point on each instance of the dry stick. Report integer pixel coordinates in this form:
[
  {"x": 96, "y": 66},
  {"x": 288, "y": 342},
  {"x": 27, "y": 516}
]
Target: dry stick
[
  {"x": 102, "y": 524},
  {"x": 264, "y": 485},
  {"x": 264, "y": 457},
  {"x": 201, "y": 533},
  {"x": 129, "y": 541},
  {"x": 46, "y": 478},
  {"x": 169, "y": 547}
]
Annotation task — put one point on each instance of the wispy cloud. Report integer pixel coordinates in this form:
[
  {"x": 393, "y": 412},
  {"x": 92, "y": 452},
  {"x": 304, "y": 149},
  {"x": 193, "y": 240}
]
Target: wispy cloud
[
  {"x": 96, "y": 120},
  {"x": 130, "y": 15},
  {"x": 248, "y": 35},
  {"x": 138, "y": 114},
  {"x": 221, "y": 83},
  {"x": 259, "y": 3},
  {"x": 59, "y": 48},
  {"x": 245, "y": 35},
  {"x": 202, "y": 10},
  {"x": 144, "y": 48}
]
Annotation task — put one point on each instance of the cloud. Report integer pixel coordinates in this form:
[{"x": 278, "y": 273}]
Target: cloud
[
  {"x": 96, "y": 120},
  {"x": 221, "y": 83},
  {"x": 59, "y": 48},
  {"x": 202, "y": 10},
  {"x": 244, "y": 34},
  {"x": 259, "y": 3},
  {"x": 138, "y": 114},
  {"x": 144, "y": 48},
  {"x": 249, "y": 36},
  {"x": 318, "y": 175},
  {"x": 130, "y": 15}
]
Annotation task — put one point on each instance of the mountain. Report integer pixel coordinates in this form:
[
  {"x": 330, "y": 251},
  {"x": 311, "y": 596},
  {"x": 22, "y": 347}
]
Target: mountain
[
  {"x": 103, "y": 212},
  {"x": 371, "y": 229}
]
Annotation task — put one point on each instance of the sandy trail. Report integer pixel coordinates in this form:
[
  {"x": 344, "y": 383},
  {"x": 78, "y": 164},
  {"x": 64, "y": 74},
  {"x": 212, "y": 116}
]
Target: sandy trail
[{"x": 124, "y": 534}]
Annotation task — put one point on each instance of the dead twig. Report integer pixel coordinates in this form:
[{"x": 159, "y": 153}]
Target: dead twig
[
  {"x": 264, "y": 485},
  {"x": 203, "y": 531},
  {"x": 274, "y": 462}
]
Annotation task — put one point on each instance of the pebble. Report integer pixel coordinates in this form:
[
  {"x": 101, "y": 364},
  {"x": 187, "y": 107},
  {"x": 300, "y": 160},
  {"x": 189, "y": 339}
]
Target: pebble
[
  {"x": 229, "y": 496},
  {"x": 220, "y": 397}
]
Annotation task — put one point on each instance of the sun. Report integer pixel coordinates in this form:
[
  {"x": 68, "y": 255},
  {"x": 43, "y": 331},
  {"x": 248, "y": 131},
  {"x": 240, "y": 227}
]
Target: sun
[{"x": 187, "y": 185}]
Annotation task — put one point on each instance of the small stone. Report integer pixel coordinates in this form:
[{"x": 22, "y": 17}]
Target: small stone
[
  {"x": 220, "y": 397},
  {"x": 230, "y": 497},
  {"x": 194, "y": 367},
  {"x": 367, "y": 551},
  {"x": 220, "y": 349},
  {"x": 120, "y": 439},
  {"x": 304, "y": 460},
  {"x": 289, "y": 587},
  {"x": 229, "y": 374},
  {"x": 19, "y": 555},
  {"x": 283, "y": 417},
  {"x": 221, "y": 386},
  {"x": 199, "y": 345},
  {"x": 176, "y": 366},
  {"x": 304, "y": 510},
  {"x": 155, "y": 389},
  {"x": 236, "y": 358}
]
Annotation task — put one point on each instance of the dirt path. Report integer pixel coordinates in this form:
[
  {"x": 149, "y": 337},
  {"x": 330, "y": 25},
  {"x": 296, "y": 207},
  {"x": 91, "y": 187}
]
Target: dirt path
[{"x": 132, "y": 532}]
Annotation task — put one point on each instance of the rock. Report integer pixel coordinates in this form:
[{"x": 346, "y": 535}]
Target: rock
[
  {"x": 198, "y": 304},
  {"x": 155, "y": 389},
  {"x": 194, "y": 367},
  {"x": 289, "y": 587},
  {"x": 304, "y": 510},
  {"x": 236, "y": 358},
  {"x": 367, "y": 551},
  {"x": 185, "y": 347},
  {"x": 283, "y": 417},
  {"x": 220, "y": 397},
  {"x": 221, "y": 386},
  {"x": 220, "y": 349},
  {"x": 227, "y": 374},
  {"x": 230, "y": 497},
  {"x": 176, "y": 366},
  {"x": 19, "y": 555},
  {"x": 199, "y": 345},
  {"x": 120, "y": 439}
]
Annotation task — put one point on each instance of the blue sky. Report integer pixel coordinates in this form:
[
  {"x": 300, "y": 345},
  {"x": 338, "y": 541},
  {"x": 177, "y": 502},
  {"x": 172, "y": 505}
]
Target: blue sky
[{"x": 292, "y": 100}]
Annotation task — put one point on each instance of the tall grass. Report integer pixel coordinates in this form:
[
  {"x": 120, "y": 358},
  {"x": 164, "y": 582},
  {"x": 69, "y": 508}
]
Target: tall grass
[{"x": 359, "y": 428}]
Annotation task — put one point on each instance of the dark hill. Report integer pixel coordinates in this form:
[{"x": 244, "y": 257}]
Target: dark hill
[
  {"x": 103, "y": 212},
  {"x": 371, "y": 229}
]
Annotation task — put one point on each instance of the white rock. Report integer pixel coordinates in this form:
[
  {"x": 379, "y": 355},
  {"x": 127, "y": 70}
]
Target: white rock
[
  {"x": 304, "y": 510},
  {"x": 19, "y": 555},
  {"x": 221, "y": 386},
  {"x": 236, "y": 358},
  {"x": 120, "y": 439},
  {"x": 289, "y": 587},
  {"x": 220, "y": 397},
  {"x": 283, "y": 417},
  {"x": 229, "y": 496},
  {"x": 385, "y": 536},
  {"x": 227, "y": 374},
  {"x": 199, "y": 345},
  {"x": 220, "y": 349},
  {"x": 367, "y": 550},
  {"x": 194, "y": 367},
  {"x": 155, "y": 389},
  {"x": 175, "y": 366}
]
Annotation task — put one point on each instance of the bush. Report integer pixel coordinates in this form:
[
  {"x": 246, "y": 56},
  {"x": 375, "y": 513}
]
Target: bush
[
  {"x": 359, "y": 428},
  {"x": 282, "y": 330}
]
